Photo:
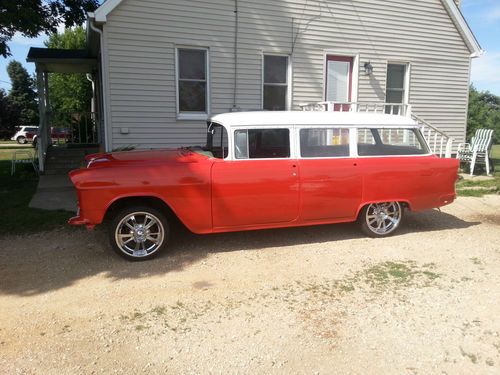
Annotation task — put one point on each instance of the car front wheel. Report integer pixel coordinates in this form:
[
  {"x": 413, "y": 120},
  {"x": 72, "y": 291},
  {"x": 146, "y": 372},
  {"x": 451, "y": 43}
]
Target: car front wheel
[
  {"x": 21, "y": 140},
  {"x": 139, "y": 233},
  {"x": 381, "y": 219}
]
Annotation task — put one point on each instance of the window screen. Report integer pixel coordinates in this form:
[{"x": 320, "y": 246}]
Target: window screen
[
  {"x": 262, "y": 143},
  {"x": 192, "y": 80},
  {"x": 275, "y": 85},
  {"x": 331, "y": 142},
  {"x": 393, "y": 141},
  {"x": 337, "y": 87}
]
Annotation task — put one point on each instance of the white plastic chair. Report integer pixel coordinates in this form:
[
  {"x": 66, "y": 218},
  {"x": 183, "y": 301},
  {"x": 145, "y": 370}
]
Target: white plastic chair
[
  {"x": 478, "y": 150},
  {"x": 22, "y": 157}
]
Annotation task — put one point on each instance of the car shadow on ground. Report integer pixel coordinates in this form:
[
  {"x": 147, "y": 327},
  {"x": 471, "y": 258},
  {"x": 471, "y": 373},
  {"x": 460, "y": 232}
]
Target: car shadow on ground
[{"x": 57, "y": 259}]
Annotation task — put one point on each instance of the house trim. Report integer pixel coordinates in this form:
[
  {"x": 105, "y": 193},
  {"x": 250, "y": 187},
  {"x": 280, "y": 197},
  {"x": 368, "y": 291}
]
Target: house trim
[
  {"x": 451, "y": 7},
  {"x": 107, "y": 7},
  {"x": 106, "y": 114},
  {"x": 463, "y": 28}
]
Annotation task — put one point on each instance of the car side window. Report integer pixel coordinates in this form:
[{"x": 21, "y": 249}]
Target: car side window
[
  {"x": 390, "y": 141},
  {"x": 320, "y": 143},
  {"x": 262, "y": 143}
]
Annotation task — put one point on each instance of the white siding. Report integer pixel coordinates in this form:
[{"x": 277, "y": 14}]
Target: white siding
[{"x": 141, "y": 37}]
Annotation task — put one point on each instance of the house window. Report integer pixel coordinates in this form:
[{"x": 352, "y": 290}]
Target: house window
[
  {"x": 395, "y": 87},
  {"x": 275, "y": 83},
  {"x": 192, "y": 81}
]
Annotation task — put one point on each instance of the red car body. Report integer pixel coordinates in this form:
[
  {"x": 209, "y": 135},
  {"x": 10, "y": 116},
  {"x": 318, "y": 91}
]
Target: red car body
[
  {"x": 263, "y": 170},
  {"x": 213, "y": 195}
]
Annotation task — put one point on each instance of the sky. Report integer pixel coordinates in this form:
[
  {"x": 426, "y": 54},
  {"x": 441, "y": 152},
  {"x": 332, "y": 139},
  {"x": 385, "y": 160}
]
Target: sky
[{"x": 483, "y": 17}]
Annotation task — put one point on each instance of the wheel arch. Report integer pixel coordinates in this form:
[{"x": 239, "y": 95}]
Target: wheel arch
[
  {"x": 405, "y": 203},
  {"x": 144, "y": 200}
]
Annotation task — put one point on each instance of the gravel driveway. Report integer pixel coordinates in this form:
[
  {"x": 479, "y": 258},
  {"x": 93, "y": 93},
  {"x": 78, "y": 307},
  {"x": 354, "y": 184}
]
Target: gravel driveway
[{"x": 317, "y": 300}]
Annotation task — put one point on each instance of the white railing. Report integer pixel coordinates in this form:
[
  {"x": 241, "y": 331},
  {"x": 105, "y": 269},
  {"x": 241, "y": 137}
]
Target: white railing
[
  {"x": 439, "y": 142},
  {"x": 388, "y": 108}
]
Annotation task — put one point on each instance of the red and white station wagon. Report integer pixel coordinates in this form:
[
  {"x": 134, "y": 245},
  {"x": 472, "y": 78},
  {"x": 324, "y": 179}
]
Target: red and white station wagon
[{"x": 266, "y": 170}]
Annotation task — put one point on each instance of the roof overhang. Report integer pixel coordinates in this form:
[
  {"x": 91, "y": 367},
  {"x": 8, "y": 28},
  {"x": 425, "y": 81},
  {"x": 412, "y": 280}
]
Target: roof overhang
[
  {"x": 53, "y": 60},
  {"x": 463, "y": 28},
  {"x": 107, "y": 7}
]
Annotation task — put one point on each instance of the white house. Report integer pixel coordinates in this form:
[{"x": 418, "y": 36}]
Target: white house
[{"x": 162, "y": 67}]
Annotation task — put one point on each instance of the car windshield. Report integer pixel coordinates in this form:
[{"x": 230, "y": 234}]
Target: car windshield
[{"x": 217, "y": 140}]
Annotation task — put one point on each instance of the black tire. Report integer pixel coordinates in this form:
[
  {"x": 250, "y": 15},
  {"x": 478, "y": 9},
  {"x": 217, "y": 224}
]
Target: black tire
[
  {"x": 34, "y": 142},
  {"x": 131, "y": 241},
  {"x": 21, "y": 140},
  {"x": 391, "y": 216}
]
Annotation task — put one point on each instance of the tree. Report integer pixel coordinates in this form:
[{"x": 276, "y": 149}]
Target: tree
[
  {"x": 9, "y": 116},
  {"x": 22, "y": 93},
  {"x": 33, "y": 17},
  {"x": 484, "y": 112},
  {"x": 69, "y": 92}
]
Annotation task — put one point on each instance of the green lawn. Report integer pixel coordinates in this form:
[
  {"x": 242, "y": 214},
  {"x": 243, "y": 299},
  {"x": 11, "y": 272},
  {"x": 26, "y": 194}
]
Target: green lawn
[
  {"x": 477, "y": 188},
  {"x": 15, "y": 194}
]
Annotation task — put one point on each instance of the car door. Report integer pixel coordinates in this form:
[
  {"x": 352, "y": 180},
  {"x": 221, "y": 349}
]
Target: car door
[
  {"x": 331, "y": 182},
  {"x": 260, "y": 186}
]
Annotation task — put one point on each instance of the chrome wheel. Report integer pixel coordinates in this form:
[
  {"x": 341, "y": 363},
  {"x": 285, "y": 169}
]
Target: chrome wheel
[
  {"x": 383, "y": 218},
  {"x": 139, "y": 234}
]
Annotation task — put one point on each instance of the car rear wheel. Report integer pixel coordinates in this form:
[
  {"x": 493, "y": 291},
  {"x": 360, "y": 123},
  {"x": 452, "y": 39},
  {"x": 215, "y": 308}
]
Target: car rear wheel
[
  {"x": 381, "y": 219},
  {"x": 139, "y": 233},
  {"x": 21, "y": 140}
]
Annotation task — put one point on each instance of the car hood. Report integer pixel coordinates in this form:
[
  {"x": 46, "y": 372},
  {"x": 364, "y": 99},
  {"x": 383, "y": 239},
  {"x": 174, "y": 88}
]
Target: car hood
[{"x": 180, "y": 155}]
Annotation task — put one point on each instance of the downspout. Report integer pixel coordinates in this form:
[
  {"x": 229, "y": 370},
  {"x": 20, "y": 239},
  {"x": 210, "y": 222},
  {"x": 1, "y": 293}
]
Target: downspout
[
  {"x": 92, "y": 106},
  {"x": 235, "y": 108},
  {"x": 92, "y": 102},
  {"x": 103, "y": 72}
]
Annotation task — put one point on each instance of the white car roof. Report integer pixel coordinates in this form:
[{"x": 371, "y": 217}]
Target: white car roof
[{"x": 234, "y": 119}]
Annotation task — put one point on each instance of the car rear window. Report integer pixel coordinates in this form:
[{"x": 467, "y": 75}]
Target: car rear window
[
  {"x": 320, "y": 143},
  {"x": 262, "y": 143},
  {"x": 393, "y": 141}
]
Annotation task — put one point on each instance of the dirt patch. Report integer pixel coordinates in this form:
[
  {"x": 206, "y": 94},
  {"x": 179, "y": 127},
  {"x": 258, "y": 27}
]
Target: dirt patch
[{"x": 302, "y": 300}]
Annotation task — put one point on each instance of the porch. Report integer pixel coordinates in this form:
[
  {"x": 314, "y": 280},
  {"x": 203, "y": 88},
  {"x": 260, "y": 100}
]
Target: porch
[{"x": 62, "y": 134}]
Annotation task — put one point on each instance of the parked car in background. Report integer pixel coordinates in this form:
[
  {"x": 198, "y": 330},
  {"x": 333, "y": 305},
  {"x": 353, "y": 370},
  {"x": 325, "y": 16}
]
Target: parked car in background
[
  {"x": 24, "y": 134},
  {"x": 266, "y": 170},
  {"x": 57, "y": 135}
]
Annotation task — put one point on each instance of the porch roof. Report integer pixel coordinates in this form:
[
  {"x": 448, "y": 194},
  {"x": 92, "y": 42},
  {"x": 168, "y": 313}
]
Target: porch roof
[{"x": 53, "y": 60}]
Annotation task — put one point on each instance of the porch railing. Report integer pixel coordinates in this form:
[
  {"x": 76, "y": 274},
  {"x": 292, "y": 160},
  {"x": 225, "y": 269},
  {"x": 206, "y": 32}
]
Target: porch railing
[
  {"x": 74, "y": 127},
  {"x": 439, "y": 142},
  {"x": 388, "y": 108}
]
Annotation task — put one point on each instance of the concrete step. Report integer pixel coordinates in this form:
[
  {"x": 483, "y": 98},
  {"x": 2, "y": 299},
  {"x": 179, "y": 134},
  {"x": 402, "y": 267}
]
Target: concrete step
[
  {"x": 61, "y": 160},
  {"x": 57, "y": 163},
  {"x": 58, "y": 171}
]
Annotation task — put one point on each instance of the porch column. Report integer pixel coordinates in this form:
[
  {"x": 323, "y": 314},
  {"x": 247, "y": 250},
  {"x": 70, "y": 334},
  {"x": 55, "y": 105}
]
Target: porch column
[
  {"x": 41, "y": 141},
  {"x": 48, "y": 111}
]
